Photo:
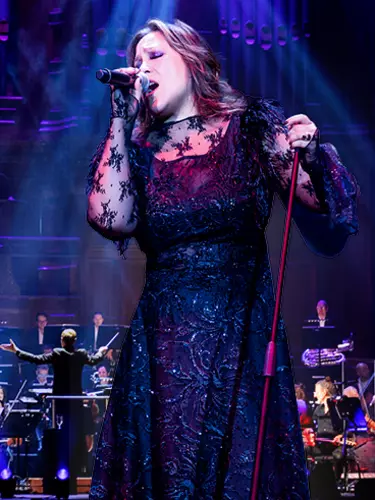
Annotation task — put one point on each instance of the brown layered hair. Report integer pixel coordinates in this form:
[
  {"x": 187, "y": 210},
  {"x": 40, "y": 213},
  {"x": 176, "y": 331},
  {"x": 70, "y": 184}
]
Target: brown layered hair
[
  {"x": 300, "y": 391},
  {"x": 213, "y": 97},
  {"x": 328, "y": 386}
]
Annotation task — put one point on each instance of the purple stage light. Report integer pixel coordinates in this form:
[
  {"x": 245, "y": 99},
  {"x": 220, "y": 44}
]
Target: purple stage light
[
  {"x": 223, "y": 26},
  {"x": 250, "y": 33},
  {"x": 4, "y": 30},
  {"x": 62, "y": 474},
  {"x": 235, "y": 28},
  {"x": 56, "y": 268},
  {"x": 102, "y": 41},
  {"x": 5, "y": 474},
  {"x": 62, "y": 315},
  {"x": 84, "y": 41}
]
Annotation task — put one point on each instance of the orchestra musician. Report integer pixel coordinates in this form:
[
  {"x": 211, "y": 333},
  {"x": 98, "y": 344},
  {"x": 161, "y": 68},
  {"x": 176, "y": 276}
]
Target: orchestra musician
[
  {"x": 3, "y": 404},
  {"x": 365, "y": 386},
  {"x": 42, "y": 381},
  {"x": 6, "y": 444},
  {"x": 328, "y": 422},
  {"x": 95, "y": 335},
  {"x": 303, "y": 407},
  {"x": 43, "y": 377},
  {"x": 101, "y": 377},
  {"x": 326, "y": 442},
  {"x": 36, "y": 337},
  {"x": 322, "y": 313}
]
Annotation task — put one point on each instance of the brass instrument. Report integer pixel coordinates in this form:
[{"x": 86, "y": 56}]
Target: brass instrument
[
  {"x": 322, "y": 357},
  {"x": 327, "y": 357}
]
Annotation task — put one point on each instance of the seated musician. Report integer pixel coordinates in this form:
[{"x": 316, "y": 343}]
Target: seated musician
[
  {"x": 42, "y": 381},
  {"x": 103, "y": 377},
  {"x": 365, "y": 387},
  {"x": 328, "y": 422},
  {"x": 303, "y": 407},
  {"x": 350, "y": 408},
  {"x": 326, "y": 443},
  {"x": 3, "y": 404},
  {"x": 43, "y": 377},
  {"x": 7, "y": 444}
]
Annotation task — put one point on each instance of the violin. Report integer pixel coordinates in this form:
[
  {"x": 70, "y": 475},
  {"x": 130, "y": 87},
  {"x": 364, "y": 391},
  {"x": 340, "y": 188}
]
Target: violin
[
  {"x": 310, "y": 439},
  {"x": 370, "y": 424},
  {"x": 369, "y": 421},
  {"x": 14, "y": 441}
]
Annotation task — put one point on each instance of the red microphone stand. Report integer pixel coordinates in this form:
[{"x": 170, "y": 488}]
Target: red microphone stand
[{"x": 270, "y": 358}]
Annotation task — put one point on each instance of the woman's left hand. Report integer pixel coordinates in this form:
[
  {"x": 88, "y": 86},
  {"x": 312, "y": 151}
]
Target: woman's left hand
[{"x": 301, "y": 131}]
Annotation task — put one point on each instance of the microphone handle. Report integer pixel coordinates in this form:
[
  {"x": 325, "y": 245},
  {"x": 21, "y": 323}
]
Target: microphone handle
[
  {"x": 114, "y": 77},
  {"x": 119, "y": 79}
]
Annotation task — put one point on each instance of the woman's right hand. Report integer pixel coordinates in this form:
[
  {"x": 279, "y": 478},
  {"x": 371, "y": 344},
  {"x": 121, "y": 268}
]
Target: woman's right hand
[{"x": 125, "y": 100}]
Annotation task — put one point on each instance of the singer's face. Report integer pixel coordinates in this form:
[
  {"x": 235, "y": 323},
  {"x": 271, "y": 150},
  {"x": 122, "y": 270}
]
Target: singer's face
[{"x": 164, "y": 66}]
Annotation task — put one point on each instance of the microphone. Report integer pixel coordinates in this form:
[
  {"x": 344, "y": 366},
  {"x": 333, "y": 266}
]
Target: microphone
[{"x": 122, "y": 79}]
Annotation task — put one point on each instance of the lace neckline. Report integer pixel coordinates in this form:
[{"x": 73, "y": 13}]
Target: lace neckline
[
  {"x": 160, "y": 125},
  {"x": 192, "y": 137}
]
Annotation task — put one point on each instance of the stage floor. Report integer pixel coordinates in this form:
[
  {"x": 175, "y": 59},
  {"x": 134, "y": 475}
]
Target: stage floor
[
  {"x": 85, "y": 497},
  {"x": 35, "y": 496}
]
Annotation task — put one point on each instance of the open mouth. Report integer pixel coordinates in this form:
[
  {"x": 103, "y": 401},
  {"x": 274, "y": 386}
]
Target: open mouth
[{"x": 153, "y": 86}]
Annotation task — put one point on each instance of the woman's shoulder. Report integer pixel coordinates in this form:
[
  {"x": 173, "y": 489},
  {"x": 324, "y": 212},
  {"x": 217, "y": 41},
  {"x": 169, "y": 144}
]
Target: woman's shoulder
[
  {"x": 263, "y": 118},
  {"x": 263, "y": 110}
]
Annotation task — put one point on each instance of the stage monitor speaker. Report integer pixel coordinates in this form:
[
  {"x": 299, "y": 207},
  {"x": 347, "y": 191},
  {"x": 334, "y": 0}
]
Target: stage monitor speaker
[
  {"x": 323, "y": 483},
  {"x": 365, "y": 489},
  {"x": 56, "y": 459}
]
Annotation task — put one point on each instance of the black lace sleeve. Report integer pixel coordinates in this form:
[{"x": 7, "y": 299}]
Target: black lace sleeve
[
  {"x": 129, "y": 196},
  {"x": 334, "y": 186}
]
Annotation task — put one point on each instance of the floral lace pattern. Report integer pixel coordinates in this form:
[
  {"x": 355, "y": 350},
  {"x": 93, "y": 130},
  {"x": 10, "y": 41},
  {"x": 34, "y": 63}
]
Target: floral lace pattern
[{"x": 184, "y": 411}]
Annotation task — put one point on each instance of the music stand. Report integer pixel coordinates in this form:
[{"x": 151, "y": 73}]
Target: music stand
[
  {"x": 10, "y": 332},
  {"x": 52, "y": 336},
  {"x": 21, "y": 424},
  {"x": 348, "y": 410}
]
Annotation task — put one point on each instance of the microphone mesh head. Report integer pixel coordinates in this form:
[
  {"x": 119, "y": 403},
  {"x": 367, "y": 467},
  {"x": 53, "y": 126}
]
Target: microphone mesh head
[{"x": 145, "y": 82}]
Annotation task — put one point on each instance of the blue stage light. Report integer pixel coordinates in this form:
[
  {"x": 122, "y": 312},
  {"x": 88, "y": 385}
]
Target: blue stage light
[
  {"x": 62, "y": 474},
  {"x": 61, "y": 484},
  {"x": 5, "y": 474},
  {"x": 7, "y": 483}
]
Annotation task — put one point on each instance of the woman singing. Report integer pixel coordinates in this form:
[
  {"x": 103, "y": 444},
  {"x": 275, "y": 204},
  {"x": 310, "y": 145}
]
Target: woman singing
[{"x": 194, "y": 182}]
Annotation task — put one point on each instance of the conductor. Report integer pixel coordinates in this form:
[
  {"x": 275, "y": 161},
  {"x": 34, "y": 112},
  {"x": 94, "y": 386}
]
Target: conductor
[{"x": 67, "y": 363}]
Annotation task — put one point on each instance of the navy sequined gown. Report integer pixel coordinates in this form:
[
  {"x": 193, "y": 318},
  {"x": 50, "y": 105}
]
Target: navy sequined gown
[{"x": 184, "y": 411}]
